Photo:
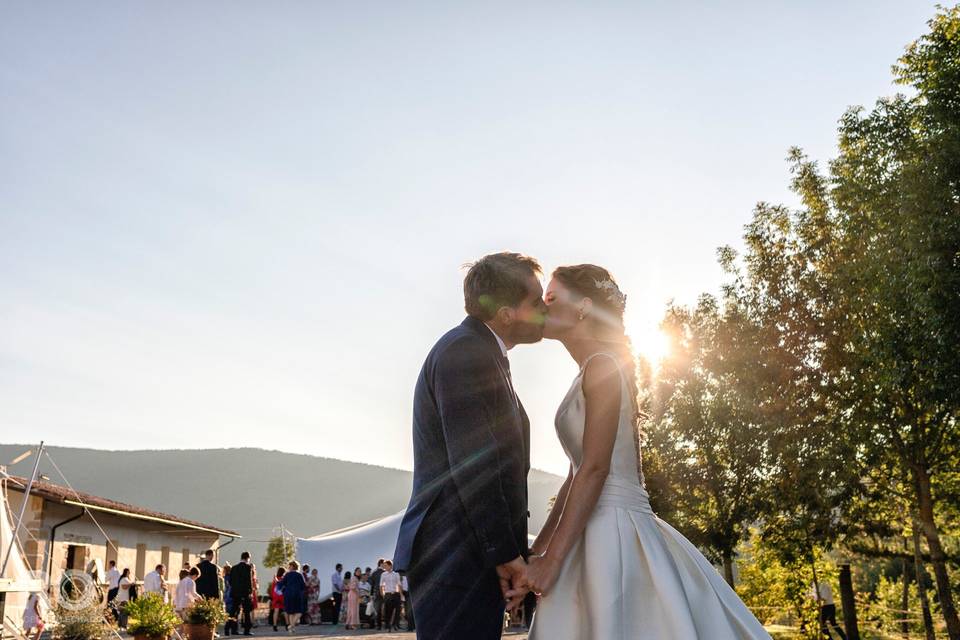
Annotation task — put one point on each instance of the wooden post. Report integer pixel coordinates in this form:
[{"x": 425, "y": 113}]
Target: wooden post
[{"x": 849, "y": 603}]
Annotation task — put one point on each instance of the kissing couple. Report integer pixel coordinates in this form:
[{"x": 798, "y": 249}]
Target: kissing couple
[{"x": 604, "y": 566}]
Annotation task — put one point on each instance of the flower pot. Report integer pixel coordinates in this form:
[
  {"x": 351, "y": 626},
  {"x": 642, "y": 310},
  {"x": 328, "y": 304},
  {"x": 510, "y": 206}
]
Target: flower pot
[
  {"x": 198, "y": 631},
  {"x": 146, "y": 637}
]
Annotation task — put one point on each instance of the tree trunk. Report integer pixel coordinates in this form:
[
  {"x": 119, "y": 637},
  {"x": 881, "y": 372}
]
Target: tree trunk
[
  {"x": 921, "y": 586},
  {"x": 849, "y": 603},
  {"x": 937, "y": 559},
  {"x": 728, "y": 568},
  {"x": 905, "y": 599}
]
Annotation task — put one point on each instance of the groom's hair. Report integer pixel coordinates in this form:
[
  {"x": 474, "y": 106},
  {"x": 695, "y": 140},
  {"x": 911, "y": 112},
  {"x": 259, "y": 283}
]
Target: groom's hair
[{"x": 497, "y": 280}]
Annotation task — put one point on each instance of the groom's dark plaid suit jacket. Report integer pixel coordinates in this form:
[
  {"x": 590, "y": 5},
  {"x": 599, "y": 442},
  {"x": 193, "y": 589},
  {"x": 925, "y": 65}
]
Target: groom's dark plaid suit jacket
[{"x": 471, "y": 443}]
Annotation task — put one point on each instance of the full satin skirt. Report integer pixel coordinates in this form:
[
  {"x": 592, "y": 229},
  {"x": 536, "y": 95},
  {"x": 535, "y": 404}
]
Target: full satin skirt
[{"x": 632, "y": 575}]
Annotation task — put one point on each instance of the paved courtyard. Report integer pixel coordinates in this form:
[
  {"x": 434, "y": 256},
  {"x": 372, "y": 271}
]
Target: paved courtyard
[{"x": 329, "y": 632}]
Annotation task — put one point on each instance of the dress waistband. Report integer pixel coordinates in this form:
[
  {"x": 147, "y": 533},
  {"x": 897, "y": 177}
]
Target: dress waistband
[{"x": 624, "y": 494}]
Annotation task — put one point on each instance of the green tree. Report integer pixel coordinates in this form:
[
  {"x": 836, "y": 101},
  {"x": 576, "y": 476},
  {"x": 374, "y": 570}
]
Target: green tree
[
  {"x": 895, "y": 190},
  {"x": 705, "y": 434},
  {"x": 279, "y": 552}
]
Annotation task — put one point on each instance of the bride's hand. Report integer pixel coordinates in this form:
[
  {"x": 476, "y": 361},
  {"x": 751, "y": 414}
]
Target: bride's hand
[{"x": 542, "y": 574}]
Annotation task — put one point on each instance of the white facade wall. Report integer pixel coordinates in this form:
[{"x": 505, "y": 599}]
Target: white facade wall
[{"x": 141, "y": 544}]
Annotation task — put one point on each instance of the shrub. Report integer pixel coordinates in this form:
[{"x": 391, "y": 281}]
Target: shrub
[
  {"x": 149, "y": 615},
  {"x": 87, "y": 623},
  {"x": 206, "y": 611}
]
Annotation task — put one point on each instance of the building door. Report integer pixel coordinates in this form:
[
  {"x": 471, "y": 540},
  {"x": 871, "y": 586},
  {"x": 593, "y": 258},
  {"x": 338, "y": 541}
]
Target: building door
[{"x": 76, "y": 556}]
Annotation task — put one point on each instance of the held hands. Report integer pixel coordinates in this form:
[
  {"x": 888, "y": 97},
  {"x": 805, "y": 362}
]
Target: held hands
[
  {"x": 513, "y": 582},
  {"x": 541, "y": 575}
]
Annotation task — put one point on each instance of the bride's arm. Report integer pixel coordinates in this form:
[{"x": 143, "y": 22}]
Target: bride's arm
[
  {"x": 601, "y": 390},
  {"x": 546, "y": 533}
]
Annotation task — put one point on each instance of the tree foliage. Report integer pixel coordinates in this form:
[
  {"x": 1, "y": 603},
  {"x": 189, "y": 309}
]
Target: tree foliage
[{"x": 818, "y": 398}]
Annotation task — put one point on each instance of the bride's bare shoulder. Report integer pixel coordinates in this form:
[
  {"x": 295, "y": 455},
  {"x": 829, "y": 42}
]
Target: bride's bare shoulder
[{"x": 601, "y": 382}]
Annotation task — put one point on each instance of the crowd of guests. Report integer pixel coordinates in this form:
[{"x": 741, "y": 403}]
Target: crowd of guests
[{"x": 375, "y": 598}]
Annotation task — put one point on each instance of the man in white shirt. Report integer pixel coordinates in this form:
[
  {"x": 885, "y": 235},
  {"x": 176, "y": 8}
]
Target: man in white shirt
[
  {"x": 153, "y": 582},
  {"x": 823, "y": 594},
  {"x": 113, "y": 581},
  {"x": 337, "y": 581},
  {"x": 390, "y": 589}
]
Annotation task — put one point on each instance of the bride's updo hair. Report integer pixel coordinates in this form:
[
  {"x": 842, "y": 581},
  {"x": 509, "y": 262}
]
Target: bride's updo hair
[{"x": 609, "y": 304}]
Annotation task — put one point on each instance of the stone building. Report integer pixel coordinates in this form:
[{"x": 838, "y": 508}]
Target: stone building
[{"x": 63, "y": 529}]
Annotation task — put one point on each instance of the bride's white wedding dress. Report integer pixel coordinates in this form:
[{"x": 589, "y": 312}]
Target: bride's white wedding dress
[{"x": 631, "y": 575}]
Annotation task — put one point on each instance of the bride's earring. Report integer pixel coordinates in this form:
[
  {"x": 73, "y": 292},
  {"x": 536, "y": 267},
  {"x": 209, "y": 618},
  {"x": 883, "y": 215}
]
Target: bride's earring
[{"x": 580, "y": 315}]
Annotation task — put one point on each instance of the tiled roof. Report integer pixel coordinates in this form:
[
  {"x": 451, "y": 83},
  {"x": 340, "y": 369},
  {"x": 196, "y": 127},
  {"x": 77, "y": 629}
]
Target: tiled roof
[{"x": 65, "y": 495}]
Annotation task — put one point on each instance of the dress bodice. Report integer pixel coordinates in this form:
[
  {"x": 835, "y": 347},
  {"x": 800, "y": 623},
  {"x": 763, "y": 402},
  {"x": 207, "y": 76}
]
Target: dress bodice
[{"x": 625, "y": 466}]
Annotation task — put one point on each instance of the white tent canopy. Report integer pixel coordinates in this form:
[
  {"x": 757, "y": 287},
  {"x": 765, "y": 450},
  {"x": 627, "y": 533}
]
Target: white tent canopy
[{"x": 357, "y": 546}]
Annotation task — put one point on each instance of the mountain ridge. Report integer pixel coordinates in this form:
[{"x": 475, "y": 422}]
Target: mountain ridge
[{"x": 247, "y": 489}]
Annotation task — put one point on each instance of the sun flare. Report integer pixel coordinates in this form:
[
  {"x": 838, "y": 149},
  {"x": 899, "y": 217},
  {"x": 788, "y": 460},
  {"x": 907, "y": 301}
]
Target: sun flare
[{"x": 650, "y": 343}]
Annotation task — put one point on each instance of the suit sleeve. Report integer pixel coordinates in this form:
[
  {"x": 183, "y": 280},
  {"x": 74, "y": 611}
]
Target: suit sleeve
[{"x": 466, "y": 383}]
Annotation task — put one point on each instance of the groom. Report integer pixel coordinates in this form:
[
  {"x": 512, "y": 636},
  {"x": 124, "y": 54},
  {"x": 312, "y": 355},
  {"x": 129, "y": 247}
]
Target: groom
[{"x": 463, "y": 539}]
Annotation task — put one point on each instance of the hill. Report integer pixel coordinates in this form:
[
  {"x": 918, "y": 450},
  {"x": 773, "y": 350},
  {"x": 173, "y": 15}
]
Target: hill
[{"x": 251, "y": 491}]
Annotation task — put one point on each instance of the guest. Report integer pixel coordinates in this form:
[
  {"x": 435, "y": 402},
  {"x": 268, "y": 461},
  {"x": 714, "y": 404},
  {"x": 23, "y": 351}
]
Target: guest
[
  {"x": 529, "y": 607},
  {"x": 241, "y": 591},
  {"x": 123, "y": 596},
  {"x": 337, "y": 581},
  {"x": 276, "y": 600},
  {"x": 353, "y": 601},
  {"x": 363, "y": 592},
  {"x": 377, "y": 597},
  {"x": 230, "y": 627},
  {"x": 294, "y": 591},
  {"x": 823, "y": 594},
  {"x": 363, "y": 585},
  {"x": 33, "y": 616},
  {"x": 186, "y": 592},
  {"x": 153, "y": 582},
  {"x": 407, "y": 602},
  {"x": 255, "y": 595},
  {"x": 113, "y": 581},
  {"x": 313, "y": 598},
  {"x": 208, "y": 585},
  {"x": 392, "y": 596}
]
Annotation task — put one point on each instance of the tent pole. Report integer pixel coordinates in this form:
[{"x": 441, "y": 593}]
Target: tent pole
[{"x": 23, "y": 509}]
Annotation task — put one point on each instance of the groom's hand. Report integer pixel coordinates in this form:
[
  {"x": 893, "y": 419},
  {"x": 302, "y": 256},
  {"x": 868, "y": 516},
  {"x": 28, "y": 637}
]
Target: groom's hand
[{"x": 513, "y": 580}]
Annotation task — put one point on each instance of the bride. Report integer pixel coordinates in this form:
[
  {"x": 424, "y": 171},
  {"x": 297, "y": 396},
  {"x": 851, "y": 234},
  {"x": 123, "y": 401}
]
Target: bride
[{"x": 605, "y": 565}]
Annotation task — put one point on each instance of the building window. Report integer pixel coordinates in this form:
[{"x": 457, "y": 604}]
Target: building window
[
  {"x": 187, "y": 560},
  {"x": 141, "y": 561},
  {"x": 165, "y": 559}
]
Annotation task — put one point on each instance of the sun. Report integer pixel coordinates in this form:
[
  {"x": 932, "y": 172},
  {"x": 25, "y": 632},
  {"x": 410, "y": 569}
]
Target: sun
[{"x": 650, "y": 343}]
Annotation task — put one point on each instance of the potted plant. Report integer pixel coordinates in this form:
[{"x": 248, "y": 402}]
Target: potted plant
[
  {"x": 202, "y": 617},
  {"x": 150, "y": 618},
  {"x": 81, "y": 623}
]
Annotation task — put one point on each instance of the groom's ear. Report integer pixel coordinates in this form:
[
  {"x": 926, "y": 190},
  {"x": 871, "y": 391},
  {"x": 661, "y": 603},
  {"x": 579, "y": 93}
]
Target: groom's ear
[{"x": 505, "y": 315}]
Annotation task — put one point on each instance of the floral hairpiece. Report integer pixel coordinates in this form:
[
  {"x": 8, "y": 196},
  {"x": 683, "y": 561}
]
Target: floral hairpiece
[{"x": 613, "y": 293}]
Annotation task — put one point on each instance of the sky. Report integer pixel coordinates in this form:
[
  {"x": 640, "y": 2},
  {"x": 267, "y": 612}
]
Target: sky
[{"x": 244, "y": 223}]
